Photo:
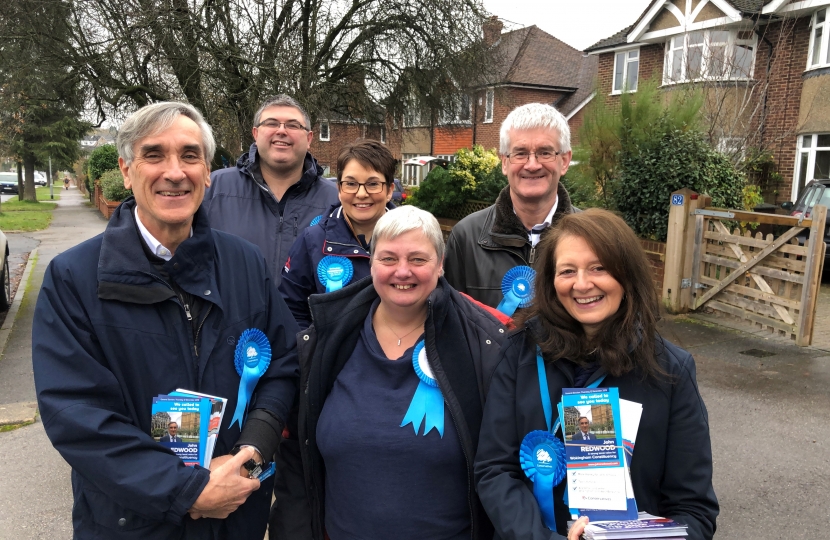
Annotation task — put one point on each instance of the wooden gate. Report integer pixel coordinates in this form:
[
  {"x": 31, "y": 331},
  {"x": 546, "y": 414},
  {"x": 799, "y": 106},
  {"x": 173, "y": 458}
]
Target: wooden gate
[{"x": 736, "y": 266}]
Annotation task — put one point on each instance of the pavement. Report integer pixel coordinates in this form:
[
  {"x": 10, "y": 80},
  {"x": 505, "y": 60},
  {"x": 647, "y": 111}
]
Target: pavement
[
  {"x": 35, "y": 488},
  {"x": 768, "y": 404}
]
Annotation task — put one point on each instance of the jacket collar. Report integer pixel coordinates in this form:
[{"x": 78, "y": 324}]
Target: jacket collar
[
  {"x": 339, "y": 235},
  {"x": 249, "y": 162},
  {"x": 503, "y": 226},
  {"x": 126, "y": 274}
]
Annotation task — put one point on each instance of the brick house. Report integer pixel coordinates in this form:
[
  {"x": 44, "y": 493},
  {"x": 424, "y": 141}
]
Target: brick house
[
  {"x": 529, "y": 65},
  {"x": 331, "y": 134},
  {"x": 763, "y": 65}
]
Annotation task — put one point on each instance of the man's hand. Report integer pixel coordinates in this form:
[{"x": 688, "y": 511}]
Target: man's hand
[
  {"x": 577, "y": 528},
  {"x": 227, "y": 489},
  {"x": 217, "y": 462}
]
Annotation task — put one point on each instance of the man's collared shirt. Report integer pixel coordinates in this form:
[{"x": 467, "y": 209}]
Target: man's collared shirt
[
  {"x": 154, "y": 245},
  {"x": 535, "y": 234}
]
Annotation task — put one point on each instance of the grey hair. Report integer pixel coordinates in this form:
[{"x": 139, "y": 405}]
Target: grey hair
[
  {"x": 153, "y": 119},
  {"x": 535, "y": 116},
  {"x": 282, "y": 101},
  {"x": 401, "y": 220}
]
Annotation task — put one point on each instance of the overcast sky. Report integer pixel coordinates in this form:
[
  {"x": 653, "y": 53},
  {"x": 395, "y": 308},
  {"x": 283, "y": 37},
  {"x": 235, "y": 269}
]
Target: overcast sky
[{"x": 579, "y": 23}]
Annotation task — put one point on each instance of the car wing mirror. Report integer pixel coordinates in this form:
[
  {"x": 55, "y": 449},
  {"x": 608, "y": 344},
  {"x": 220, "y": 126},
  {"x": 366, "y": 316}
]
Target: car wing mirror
[{"x": 787, "y": 205}]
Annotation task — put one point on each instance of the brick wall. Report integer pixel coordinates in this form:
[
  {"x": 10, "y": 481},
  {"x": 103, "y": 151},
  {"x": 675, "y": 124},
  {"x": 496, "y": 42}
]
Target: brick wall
[
  {"x": 340, "y": 134},
  {"x": 449, "y": 139},
  {"x": 651, "y": 65},
  {"x": 656, "y": 254},
  {"x": 791, "y": 40},
  {"x": 505, "y": 100}
]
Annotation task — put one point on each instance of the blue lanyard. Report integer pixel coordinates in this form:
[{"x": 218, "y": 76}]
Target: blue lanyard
[{"x": 543, "y": 389}]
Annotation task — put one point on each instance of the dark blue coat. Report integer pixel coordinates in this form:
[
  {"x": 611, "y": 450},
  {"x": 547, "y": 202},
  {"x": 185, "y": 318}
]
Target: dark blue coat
[
  {"x": 110, "y": 340},
  {"x": 332, "y": 236},
  {"x": 240, "y": 204},
  {"x": 671, "y": 468}
]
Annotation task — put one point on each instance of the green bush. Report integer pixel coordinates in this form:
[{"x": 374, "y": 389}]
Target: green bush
[
  {"x": 474, "y": 175},
  {"x": 651, "y": 170},
  {"x": 102, "y": 159},
  {"x": 112, "y": 186}
]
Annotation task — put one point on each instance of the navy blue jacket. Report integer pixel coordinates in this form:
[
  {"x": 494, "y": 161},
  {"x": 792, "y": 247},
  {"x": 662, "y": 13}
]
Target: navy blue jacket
[
  {"x": 239, "y": 203},
  {"x": 332, "y": 236},
  {"x": 671, "y": 469},
  {"x": 110, "y": 340}
]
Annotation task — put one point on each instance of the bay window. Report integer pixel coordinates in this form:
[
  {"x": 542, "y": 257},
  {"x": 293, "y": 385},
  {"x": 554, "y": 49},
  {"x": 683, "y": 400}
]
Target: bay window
[{"x": 709, "y": 55}]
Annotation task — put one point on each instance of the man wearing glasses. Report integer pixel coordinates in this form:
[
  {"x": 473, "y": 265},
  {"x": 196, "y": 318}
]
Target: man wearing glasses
[
  {"x": 535, "y": 148},
  {"x": 276, "y": 188}
]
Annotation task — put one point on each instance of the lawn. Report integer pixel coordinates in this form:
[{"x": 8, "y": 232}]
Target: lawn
[{"x": 27, "y": 216}]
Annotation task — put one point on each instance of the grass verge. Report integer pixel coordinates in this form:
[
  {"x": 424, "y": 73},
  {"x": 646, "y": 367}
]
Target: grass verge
[
  {"x": 12, "y": 427},
  {"x": 28, "y": 216}
]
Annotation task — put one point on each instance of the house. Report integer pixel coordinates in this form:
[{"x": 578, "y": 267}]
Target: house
[
  {"x": 529, "y": 65},
  {"x": 335, "y": 131},
  {"x": 763, "y": 67}
]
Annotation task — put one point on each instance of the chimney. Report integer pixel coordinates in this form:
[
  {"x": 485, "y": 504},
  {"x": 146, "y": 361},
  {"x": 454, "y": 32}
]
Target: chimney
[{"x": 492, "y": 30}]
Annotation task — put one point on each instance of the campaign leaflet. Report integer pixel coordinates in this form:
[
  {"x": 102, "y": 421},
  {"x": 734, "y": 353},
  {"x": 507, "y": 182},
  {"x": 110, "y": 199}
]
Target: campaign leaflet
[
  {"x": 594, "y": 455},
  {"x": 177, "y": 425},
  {"x": 646, "y": 526},
  {"x": 213, "y": 410}
]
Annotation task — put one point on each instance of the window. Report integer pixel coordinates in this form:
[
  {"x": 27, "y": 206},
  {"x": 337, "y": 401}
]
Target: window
[
  {"x": 819, "y": 54},
  {"x": 626, "y": 68},
  {"x": 325, "y": 133},
  {"x": 383, "y": 134},
  {"x": 813, "y": 162},
  {"x": 708, "y": 55},
  {"x": 458, "y": 110},
  {"x": 489, "y": 98}
]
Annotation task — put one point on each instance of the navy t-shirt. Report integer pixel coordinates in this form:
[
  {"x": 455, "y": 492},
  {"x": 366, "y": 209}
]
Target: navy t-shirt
[{"x": 383, "y": 480}]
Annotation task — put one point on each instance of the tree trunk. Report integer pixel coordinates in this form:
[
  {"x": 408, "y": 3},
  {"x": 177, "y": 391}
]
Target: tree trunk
[
  {"x": 19, "y": 181},
  {"x": 29, "y": 178}
]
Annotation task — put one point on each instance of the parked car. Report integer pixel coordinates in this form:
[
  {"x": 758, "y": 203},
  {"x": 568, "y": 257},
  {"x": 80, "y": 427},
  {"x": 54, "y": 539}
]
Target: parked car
[
  {"x": 40, "y": 178},
  {"x": 815, "y": 192},
  {"x": 5, "y": 281},
  {"x": 8, "y": 182}
]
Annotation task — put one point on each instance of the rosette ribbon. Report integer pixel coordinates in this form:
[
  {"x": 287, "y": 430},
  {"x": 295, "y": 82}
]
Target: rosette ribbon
[
  {"x": 334, "y": 272},
  {"x": 251, "y": 358},
  {"x": 542, "y": 457},
  {"x": 427, "y": 404},
  {"x": 517, "y": 288}
]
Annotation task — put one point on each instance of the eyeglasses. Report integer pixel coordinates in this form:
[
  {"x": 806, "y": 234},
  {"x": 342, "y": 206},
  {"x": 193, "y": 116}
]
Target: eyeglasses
[
  {"x": 291, "y": 125},
  {"x": 349, "y": 186},
  {"x": 542, "y": 156}
]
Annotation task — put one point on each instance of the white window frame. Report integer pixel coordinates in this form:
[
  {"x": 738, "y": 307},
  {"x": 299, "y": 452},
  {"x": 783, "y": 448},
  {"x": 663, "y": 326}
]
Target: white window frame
[
  {"x": 454, "y": 112},
  {"x": 383, "y": 134},
  {"x": 821, "y": 50},
  {"x": 706, "y": 47},
  {"x": 627, "y": 61},
  {"x": 325, "y": 127},
  {"x": 810, "y": 152},
  {"x": 489, "y": 102}
]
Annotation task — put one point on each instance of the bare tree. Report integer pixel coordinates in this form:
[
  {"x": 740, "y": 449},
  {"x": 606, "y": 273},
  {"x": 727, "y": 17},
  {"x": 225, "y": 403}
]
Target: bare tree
[{"x": 350, "y": 57}]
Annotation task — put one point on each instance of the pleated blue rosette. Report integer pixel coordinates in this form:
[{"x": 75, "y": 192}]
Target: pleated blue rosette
[
  {"x": 251, "y": 358},
  {"x": 315, "y": 221},
  {"x": 542, "y": 457},
  {"x": 335, "y": 272},
  {"x": 517, "y": 288},
  {"x": 427, "y": 404}
]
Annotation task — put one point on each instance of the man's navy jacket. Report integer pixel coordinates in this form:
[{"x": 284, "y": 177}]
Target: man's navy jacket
[{"x": 111, "y": 335}]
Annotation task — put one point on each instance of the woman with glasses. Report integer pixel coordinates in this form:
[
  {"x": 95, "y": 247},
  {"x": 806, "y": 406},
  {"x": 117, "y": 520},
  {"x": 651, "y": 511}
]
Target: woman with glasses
[
  {"x": 394, "y": 372},
  {"x": 593, "y": 323},
  {"x": 335, "y": 251}
]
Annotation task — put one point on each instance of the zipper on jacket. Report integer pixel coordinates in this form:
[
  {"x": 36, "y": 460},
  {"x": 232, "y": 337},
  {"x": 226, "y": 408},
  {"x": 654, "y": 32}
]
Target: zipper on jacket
[
  {"x": 532, "y": 254},
  {"x": 199, "y": 329},
  {"x": 295, "y": 226},
  {"x": 186, "y": 311}
]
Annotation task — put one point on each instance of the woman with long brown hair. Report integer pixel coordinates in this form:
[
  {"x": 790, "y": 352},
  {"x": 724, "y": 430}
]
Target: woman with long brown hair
[{"x": 594, "y": 319}]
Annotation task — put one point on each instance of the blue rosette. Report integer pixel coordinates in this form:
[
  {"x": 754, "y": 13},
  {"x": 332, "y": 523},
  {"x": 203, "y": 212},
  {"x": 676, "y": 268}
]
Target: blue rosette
[
  {"x": 427, "y": 404},
  {"x": 517, "y": 288},
  {"x": 542, "y": 457},
  {"x": 251, "y": 358},
  {"x": 335, "y": 272},
  {"x": 315, "y": 221}
]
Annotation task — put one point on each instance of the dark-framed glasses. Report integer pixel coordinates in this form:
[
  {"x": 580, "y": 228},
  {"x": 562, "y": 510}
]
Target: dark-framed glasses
[
  {"x": 372, "y": 186},
  {"x": 291, "y": 125},
  {"x": 542, "y": 156}
]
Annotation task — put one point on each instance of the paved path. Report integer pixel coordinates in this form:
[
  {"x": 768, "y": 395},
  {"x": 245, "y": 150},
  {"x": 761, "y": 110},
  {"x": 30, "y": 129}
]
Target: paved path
[
  {"x": 35, "y": 490},
  {"x": 821, "y": 329}
]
